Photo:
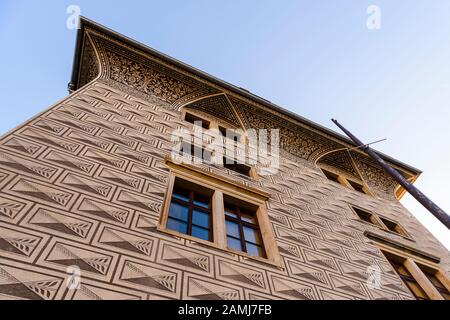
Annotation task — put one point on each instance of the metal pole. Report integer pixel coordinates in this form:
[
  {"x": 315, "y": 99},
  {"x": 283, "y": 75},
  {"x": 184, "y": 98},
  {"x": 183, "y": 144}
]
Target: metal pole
[{"x": 440, "y": 214}]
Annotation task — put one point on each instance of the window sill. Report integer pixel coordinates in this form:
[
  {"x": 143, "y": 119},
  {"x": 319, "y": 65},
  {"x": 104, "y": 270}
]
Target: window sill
[{"x": 214, "y": 245}]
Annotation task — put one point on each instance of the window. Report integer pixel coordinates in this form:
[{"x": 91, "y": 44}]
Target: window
[
  {"x": 217, "y": 211},
  {"x": 432, "y": 275},
  {"x": 189, "y": 150},
  {"x": 398, "y": 264},
  {"x": 393, "y": 226},
  {"x": 366, "y": 216},
  {"x": 193, "y": 118},
  {"x": 242, "y": 228},
  {"x": 230, "y": 133},
  {"x": 331, "y": 176},
  {"x": 381, "y": 222},
  {"x": 237, "y": 167},
  {"x": 358, "y": 187},
  {"x": 190, "y": 210},
  {"x": 353, "y": 185}
]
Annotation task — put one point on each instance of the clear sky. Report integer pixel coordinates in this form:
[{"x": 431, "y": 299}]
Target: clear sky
[{"x": 316, "y": 58}]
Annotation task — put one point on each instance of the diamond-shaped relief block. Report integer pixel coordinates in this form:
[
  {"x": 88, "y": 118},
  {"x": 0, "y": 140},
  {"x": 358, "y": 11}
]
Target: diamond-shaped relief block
[
  {"x": 103, "y": 211},
  {"x": 69, "y": 162},
  {"x": 51, "y": 140},
  {"x": 93, "y": 262},
  {"x": 149, "y": 277},
  {"x": 126, "y": 242},
  {"x": 60, "y": 223},
  {"x": 22, "y": 146},
  {"x": 201, "y": 288},
  {"x": 185, "y": 259},
  {"x": 27, "y": 167},
  {"x": 12, "y": 209},
  {"x": 90, "y": 140},
  {"x": 291, "y": 289},
  {"x": 20, "y": 244},
  {"x": 87, "y": 186},
  {"x": 22, "y": 282},
  {"x": 40, "y": 192},
  {"x": 241, "y": 275},
  {"x": 121, "y": 179}
]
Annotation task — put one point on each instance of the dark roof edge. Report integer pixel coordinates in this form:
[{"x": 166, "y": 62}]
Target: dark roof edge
[{"x": 73, "y": 85}]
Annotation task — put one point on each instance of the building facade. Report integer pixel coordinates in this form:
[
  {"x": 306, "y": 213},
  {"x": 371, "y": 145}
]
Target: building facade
[{"x": 93, "y": 204}]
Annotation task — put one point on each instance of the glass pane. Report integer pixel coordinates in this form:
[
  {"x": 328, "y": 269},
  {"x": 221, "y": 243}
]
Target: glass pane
[
  {"x": 231, "y": 214},
  {"x": 181, "y": 194},
  {"x": 200, "y": 233},
  {"x": 254, "y": 250},
  {"x": 178, "y": 211},
  {"x": 176, "y": 225},
  {"x": 252, "y": 235},
  {"x": 233, "y": 229},
  {"x": 234, "y": 244},
  {"x": 417, "y": 290},
  {"x": 248, "y": 217},
  {"x": 201, "y": 200},
  {"x": 200, "y": 219}
]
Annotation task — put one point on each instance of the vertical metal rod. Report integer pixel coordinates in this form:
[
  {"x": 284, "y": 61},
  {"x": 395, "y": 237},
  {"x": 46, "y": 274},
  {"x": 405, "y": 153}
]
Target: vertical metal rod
[{"x": 440, "y": 214}]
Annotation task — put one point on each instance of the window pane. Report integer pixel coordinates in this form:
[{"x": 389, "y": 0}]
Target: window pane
[
  {"x": 252, "y": 235},
  {"x": 233, "y": 229},
  {"x": 231, "y": 214},
  {"x": 200, "y": 233},
  {"x": 180, "y": 193},
  {"x": 200, "y": 219},
  {"x": 178, "y": 211},
  {"x": 201, "y": 200},
  {"x": 234, "y": 244},
  {"x": 176, "y": 225},
  {"x": 254, "y": 250},
  {"x": 248, "y": 218}
]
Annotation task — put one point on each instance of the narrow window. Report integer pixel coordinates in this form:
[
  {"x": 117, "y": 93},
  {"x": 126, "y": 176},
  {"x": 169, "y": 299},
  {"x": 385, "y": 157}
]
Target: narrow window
[
  {"x": 398, "y": 264},
  {"x": 392, "y": 226},
  {"x": 190, "y": 210},
  {"x": 237, "y": 167},
  {"x": 358, "y": 187},
  {"x": 230, "y": 134},
  {"x": 190, "y": 150},
  {"x": 243, "y": 233},
  {"x": 331, "y": 176},
  {"x": 192, "y": 119},
  {"x": 366, "y": 216},
  {"x": 431, "y": 275}
]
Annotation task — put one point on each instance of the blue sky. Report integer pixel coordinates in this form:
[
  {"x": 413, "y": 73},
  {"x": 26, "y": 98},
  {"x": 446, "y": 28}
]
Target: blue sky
[{"x": 316, "y": 58}]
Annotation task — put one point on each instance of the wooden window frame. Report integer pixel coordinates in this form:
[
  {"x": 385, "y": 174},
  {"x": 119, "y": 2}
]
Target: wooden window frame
[
  {"x": 373, "y": 218},
  {"x": 377, "y": 221},
  {"x": 206, "y": 124},
  {"x": 400, "y": 230},
  {"x": 213, "y": 124},
  {"x": 411, "y": 263},
  {"x": 241, "y": 224},
  {"x": 191, "y": 206},
  {"x": 344, "y": 181},
  {"x": 222, "y": 186}
]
